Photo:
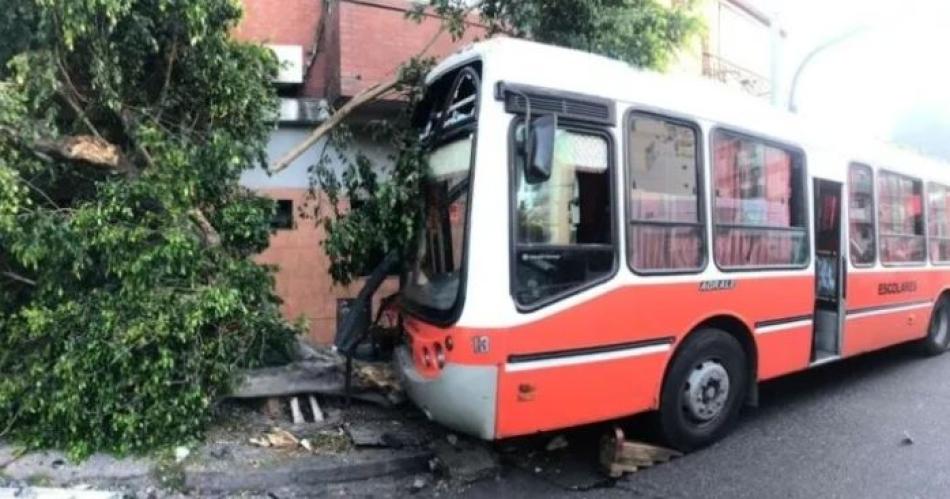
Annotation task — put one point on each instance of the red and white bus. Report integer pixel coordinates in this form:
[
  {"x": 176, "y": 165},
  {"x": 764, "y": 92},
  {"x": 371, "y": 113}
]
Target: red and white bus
[{"x": 601, "y": 241}]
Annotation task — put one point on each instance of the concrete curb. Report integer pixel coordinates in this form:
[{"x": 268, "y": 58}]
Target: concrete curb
[
  {"x": 311, "y": 470},
  {"x": 314, "y": 473}
]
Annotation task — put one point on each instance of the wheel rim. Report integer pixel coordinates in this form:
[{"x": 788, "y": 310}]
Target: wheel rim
[
  {"x": 939, "y": 326},
  {"x": 706, "y": 391}
]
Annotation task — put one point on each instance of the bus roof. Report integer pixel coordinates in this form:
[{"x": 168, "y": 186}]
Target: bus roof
[{"x": 531, "y": 63}]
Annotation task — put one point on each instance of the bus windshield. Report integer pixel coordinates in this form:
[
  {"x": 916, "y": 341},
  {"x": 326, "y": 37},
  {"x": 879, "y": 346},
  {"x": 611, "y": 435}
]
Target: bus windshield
[{"x": 435, "y": 277}]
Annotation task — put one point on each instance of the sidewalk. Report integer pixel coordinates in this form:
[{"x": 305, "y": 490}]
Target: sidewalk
[{"x": 228, "y": 463}]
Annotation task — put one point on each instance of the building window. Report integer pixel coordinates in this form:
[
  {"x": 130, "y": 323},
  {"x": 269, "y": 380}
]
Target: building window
[
  {"x": 900, "y": 218},
  {"x": 861, "y": 215},
  {"x": 938, "y": 220},
  {"x": 759, "y": 203},
  {"x": 666, "y": 230},
  {"x": 284, "y": 215},
  {"x": 563, "y": 236}
]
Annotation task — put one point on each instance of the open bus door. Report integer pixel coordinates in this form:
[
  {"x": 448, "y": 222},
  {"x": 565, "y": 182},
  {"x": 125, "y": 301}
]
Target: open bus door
[{"x": 830, "y": 268}]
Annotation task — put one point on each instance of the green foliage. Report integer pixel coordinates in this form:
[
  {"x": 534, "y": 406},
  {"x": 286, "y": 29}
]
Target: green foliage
[
  {"x": 384, "y": 199},
  {"x": 368, "y": 209},
  {"x": 122, "y": 313},
  {"x": 642, "y": 32}
]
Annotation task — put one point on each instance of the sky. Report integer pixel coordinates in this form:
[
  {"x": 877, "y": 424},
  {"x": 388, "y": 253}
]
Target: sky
[{"x": 888, "y": 74}]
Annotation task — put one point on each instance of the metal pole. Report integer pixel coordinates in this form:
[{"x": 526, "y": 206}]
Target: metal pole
[{"x": 792, "y": 105}]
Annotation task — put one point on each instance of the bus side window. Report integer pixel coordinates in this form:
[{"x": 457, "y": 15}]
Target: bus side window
[
  {"x": 861, "y": 214},
  {"x": 900, "y": 218},
  {"x": 563, "y": 238},
  {"x": 759, "y": 203},
  {"x": 939, "y": 221},
  {"x": 666, "y": 231}
]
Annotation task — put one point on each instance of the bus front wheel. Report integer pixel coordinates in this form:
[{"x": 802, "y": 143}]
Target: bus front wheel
[{"x": 703, "y": 390}]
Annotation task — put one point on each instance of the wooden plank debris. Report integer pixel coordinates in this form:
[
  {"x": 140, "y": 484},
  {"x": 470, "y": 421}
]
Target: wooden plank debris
[
  {"x": 619, "y": 456},
  {"x": 315, "y": 410},
  {"x": 295, "y": 411}
]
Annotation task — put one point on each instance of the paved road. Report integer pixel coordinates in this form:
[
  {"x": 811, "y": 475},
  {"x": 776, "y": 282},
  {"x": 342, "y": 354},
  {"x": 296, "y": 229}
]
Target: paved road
[{"x": 836, "y": 431}]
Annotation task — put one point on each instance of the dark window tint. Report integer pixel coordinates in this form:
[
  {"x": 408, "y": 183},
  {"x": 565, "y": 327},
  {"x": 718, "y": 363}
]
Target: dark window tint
[
  {"x": 666, "y": 232},
  {"x": 900, "y": 218},
  {"x": 563, "y": 236},
  {"x": 938, "y": 219},
  {"x": 435, "y": 277},
  {"x": 759, "y": 203},
  {"x": 861, "y": 215}
]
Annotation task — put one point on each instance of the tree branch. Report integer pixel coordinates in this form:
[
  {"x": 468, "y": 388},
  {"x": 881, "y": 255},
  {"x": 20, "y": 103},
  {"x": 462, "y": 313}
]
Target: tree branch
[
  {"x": 84, "y": 148},
  {"x": 73, "y": 97},
  {"x": 17, "y": 277},
  {"x": 163, "y": 95},
  {"x": 368, "y": 95},
  {"x": 209, "y": 234}
]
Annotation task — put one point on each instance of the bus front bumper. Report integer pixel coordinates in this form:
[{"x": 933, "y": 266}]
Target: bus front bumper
[{"x": 462, "y": 397}]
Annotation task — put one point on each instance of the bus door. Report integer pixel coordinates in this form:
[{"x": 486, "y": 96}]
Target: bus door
[{"x": 830, "y": 268}]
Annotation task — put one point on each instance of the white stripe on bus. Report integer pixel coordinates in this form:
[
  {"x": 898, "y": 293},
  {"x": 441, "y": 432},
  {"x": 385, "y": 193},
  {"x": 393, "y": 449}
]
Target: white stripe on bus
[
  {"x": 586, "y": 358},
  {"x": 783, "y": 327},
  {"x": 881, "y": 311}
]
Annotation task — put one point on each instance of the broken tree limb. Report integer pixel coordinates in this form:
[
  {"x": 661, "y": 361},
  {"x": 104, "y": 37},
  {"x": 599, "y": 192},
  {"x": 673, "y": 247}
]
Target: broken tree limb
[
  {"x": 85, "y": 148},
  {"x": 364, "y": 97}
]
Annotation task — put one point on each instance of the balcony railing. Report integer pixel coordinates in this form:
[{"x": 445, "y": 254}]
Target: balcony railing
[{"x": 720, "y": 69}]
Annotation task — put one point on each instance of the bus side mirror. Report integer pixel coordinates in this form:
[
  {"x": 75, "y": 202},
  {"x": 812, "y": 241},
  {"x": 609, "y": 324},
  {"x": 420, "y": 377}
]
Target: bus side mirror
[{"x": 539, "y": 159}]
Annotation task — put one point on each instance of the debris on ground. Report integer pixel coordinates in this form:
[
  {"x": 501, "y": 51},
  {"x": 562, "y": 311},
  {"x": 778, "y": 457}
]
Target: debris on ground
[
  {"x": 375, "y": 384},
  {"x": 418, "y": 483},
  {"x": 468, "y": 461},
  {"x": 181, "y": 453},
  {"x": 380, "y": 376},
  {"x": 330, "y": 442},
  {"x": 556, "y": 443},
  {"x": 277, "y": 438},
  {"x": 393, "y": 433},
  {"x": 907, "y": 440},
  {"x": 619, "y": 456}
]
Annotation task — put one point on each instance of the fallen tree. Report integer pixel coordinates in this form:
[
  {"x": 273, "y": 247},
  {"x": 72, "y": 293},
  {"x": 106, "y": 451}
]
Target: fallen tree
[{"x": 129, "y": 298}]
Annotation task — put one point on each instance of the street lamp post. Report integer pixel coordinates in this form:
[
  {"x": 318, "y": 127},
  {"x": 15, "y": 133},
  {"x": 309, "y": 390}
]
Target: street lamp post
[{"x": 792, "y": 105}]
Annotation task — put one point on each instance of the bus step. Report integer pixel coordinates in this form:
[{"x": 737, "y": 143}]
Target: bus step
[{"x": 619, "y": 455}]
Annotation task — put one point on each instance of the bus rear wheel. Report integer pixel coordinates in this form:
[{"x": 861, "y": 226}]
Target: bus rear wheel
[
  {"x": 703, "y": 391},
  {"x": 938, "y": 333}
]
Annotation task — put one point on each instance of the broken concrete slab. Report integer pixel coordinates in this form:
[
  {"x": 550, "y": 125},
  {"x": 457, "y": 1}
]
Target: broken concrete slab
[
  {"x": 323, "y": 377},
  {"x": 393, "y": 434}
]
